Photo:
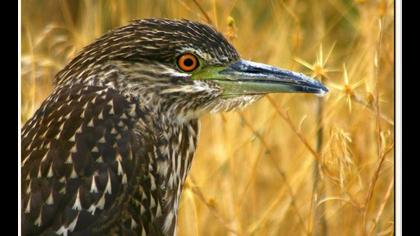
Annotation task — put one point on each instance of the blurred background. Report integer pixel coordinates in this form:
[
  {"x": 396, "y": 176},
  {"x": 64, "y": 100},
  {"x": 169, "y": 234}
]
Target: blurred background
[{"x": 290, "y": 164}]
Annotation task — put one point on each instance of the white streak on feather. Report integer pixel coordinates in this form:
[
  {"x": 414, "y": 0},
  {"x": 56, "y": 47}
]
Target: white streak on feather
[
  {"x": 133, "y": 224},
  {"x": 79, "y": 130},
  {"x": 45, "y": 156},
  {"x": 38, "y": 220},
  {"x": 102, "y": 140},
  {"x": 101, "y": 202},
  {"x": 92, "y": 209},
  {"x": 69, "y": 160},
  {"x": 72, "y": 225},
  {"x": 28, "y": 206},
  {"x": 50, "y": 199},
  {"x": 77, "y": 204},
  {"x": 124, "y": 179},
  {"x": 108, "y": 188},
  {"x": 99, "y": 160},
  {"x": 93, "y": 187},
  {"x": 50, "y": 171},
  {"x": 168, "y": 222},
  {"x": 73, "y": 174},
  {"x": 73, "y": 149},
  {"x": 101, "y": 116}
]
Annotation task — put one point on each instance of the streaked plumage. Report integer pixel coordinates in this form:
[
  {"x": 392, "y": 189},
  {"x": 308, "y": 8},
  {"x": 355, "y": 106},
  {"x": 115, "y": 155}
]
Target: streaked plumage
[{"x": 108, "y": 151}]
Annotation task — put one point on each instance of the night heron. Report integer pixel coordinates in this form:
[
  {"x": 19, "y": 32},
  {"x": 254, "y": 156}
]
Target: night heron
[{"x": 108, "y": 151}]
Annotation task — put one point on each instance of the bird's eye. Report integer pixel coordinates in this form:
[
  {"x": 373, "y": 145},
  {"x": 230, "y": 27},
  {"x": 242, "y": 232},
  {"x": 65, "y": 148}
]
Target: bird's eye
[{"x": 187, "y": 62}]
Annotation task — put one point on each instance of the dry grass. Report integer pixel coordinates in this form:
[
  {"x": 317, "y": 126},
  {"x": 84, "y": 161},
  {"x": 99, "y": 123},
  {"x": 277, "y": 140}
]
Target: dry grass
[{"x": 283, "y": 166}]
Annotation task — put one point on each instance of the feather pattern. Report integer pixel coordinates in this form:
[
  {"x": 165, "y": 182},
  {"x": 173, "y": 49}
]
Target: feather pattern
[{"x": 108, "y": 151}]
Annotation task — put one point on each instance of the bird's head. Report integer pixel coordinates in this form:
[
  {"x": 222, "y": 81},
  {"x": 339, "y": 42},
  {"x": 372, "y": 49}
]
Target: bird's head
[{"x": 181, "y": 67}]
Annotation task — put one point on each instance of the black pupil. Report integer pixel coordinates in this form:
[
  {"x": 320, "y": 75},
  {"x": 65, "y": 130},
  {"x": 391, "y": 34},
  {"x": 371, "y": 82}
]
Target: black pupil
[{"x": 188, "y": 62}]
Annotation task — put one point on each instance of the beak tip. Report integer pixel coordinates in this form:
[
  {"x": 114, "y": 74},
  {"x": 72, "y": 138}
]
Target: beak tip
[
  {"x": 322, "y": 91},
  {"x": 314, "y": 86}
]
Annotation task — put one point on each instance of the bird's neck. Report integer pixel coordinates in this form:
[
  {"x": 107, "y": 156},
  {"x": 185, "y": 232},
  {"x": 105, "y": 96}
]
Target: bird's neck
[{"x": 170, "y": 154}]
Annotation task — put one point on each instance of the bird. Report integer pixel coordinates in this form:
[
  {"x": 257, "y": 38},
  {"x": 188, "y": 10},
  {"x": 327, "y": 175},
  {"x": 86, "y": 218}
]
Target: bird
[{"x": 108, "y": 151}]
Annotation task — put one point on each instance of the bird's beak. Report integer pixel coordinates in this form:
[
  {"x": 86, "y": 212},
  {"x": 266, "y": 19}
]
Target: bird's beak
[{"x": 251, "y": 78}]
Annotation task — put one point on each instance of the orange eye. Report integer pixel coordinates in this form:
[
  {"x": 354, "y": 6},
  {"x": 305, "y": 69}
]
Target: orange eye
[{"x": 187, "y": 62}]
